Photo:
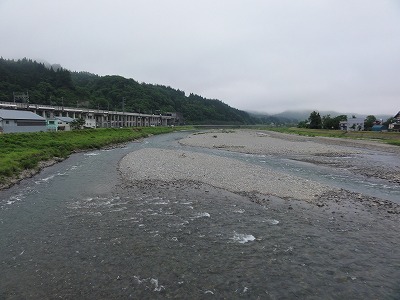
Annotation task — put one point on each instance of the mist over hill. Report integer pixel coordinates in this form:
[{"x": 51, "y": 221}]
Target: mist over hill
[
  {"x": 54, "y": 85},
  {"x": 301, "y": 115}
]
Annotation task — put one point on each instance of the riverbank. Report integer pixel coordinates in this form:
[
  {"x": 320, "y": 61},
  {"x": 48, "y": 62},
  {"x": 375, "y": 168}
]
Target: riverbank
[
  {"x": 361, "y": 157},
  {"x": 80, "y": 229},
  {"x": 318, "y": 241},
  {"x": 25, "y": 154},
  {"x": 239, "y": 177}
]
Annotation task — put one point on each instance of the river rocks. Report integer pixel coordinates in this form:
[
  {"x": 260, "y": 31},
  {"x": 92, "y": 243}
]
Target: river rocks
[
  {"x": 359, "y": 157},
  {"x": 221, "y": 172}
]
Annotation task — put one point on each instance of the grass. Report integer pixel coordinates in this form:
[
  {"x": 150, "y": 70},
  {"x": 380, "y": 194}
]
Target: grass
[
  {"x": 392, "y": 138},
  {"x": 21, "y": 151}
]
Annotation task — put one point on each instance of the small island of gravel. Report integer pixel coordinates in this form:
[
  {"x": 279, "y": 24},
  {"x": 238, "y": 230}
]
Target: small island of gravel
[{"x": 240, "y": 177}]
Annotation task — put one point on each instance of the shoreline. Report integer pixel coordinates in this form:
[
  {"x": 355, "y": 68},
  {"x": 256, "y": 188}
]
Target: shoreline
[
  {"x": 352, "y": 155},
  {"x": 83, "y": 227},
  {"x": 256, "y": 183},
  {"x": 29, "y": 173}
]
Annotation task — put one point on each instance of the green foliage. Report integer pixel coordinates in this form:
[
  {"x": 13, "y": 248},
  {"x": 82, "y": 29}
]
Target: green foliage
[
  {"x": 389, "y": 121},
  {"x": 326, "y": 122},
  {"x": 369, "y": 122},
  {"x": 42, "y": 82},
  {"x": 21, "y": 151},
  {"x": 302, "y": 124},
  {"x": 77, "y": 124},
  {"x": 315, "y": 121},
  {"x": 61, "y": 87},
  {"x": 332, "y": 123}
]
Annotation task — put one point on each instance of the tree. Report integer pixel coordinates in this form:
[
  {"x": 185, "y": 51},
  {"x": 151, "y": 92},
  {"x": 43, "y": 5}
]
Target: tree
[
  {"x": 332, "y": 123},
  {"x": 302, "y": 124},
  {"x": 77, "y": 124},
  {"x": 328, "y": 122},
  {"x": 389, "y": 121},
  {"x": 315, "y": 120},
  {"x": 47, "y": 83},
  {"x": 369, "y": 122}
]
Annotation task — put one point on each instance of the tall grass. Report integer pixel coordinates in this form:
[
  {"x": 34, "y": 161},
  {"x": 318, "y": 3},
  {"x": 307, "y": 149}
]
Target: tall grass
[{"x": 22, "y": 151}]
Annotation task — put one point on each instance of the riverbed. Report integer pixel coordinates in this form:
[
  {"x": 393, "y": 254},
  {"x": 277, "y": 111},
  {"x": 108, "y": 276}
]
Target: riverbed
[{"x": 94, "y": 226}]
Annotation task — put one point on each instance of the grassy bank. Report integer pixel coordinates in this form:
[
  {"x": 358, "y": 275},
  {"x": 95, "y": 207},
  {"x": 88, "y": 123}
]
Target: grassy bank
[
  {"x": 392, "y": 138},
  {"x": 22, "y": 151}
]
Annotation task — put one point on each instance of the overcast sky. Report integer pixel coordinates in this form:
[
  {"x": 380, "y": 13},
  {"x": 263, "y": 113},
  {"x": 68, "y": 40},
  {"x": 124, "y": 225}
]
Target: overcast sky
[{"x": 258, "y": 55}]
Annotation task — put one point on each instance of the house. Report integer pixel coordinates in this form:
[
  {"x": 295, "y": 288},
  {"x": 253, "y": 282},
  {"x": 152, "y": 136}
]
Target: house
[
  {"x": 64, "y": 123},
  {"x": 90, "y": 123},
  {"x": 21, "y": 121},
  {"x": 395, "y": 126},
  {"x": 52, "y": 125},
  {"x": 352, "y": 124}
]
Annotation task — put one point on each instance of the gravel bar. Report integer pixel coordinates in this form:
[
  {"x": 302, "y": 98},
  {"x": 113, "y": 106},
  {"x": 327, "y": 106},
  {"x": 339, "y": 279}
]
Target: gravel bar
[
  {"x": 229, "y": 174},
  {"x": 238, "y": 176}
]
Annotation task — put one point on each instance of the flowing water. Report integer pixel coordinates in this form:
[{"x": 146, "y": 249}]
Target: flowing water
[{"x": 76, "y": 231}]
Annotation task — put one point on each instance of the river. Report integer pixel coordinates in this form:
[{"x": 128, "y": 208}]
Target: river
[{"x": 77, "y": 231}]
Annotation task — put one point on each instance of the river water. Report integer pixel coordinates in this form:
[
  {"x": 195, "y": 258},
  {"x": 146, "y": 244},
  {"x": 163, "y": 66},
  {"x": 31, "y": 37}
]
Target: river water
[{"x": 77, "y": 231}]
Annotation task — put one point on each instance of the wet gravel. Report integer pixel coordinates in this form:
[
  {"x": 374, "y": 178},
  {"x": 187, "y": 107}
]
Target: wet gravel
[
  {"x": 221, "y": 172},
  {"x": 81, "y": 230}
]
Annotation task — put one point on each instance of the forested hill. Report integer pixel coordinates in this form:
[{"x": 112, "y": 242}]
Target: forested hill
[{"x": 57, "y": 86}]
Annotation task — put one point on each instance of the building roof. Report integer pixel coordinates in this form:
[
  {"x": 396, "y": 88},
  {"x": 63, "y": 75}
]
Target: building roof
[
  {"x": 65, "y": 119},
  {"x": 355, "y": 120},
  {"x": 378, "y": 127},
  {"x": 8, "y": 114}
]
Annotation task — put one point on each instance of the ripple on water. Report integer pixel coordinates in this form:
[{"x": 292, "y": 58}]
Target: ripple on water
[
  {"x": 243, "y": 238},
  {"x": 92, "y": 154},
  {"x": 152, "y": 281},
  {"x": 88, "y": 204},
  {"x": 271, "y": 222},
  {"x": 202, "y": 215},
  {"x": 16, "y": 198},
  {"x": 46, "y": 179}
]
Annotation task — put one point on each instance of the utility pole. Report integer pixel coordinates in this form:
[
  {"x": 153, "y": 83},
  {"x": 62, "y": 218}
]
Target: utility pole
[{"x": 123, "y": 111}]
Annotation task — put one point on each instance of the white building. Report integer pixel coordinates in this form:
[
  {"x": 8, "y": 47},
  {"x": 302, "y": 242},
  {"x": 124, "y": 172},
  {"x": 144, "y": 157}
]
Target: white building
[
  {"x": 64, "y": 123},
  {"x": 21, "y": 121},
  {"x": 352, "y": 124},
  {"x": 90, "y": 123}
]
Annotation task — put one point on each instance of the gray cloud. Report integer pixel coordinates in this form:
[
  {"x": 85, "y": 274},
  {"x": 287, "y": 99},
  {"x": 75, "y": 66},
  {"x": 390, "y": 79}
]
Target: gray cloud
[{"x": 266, "y": 55}]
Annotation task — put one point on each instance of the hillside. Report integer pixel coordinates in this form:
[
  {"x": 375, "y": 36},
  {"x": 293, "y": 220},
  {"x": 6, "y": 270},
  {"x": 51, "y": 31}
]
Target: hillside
[
  {"x": 58, "y": 86},
  {"x": 302, "y": 115}
]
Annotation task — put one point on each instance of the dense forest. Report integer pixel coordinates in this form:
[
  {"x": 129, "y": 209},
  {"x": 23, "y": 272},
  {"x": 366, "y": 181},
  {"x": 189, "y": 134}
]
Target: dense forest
[{"x": 54, "y": 85}]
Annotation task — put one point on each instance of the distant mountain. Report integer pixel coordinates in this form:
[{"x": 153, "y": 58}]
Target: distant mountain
[
  {"x": 262, "y": 118},
  {"x": 51, "y": 84},
  {"x": 304, "y": 115}
]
